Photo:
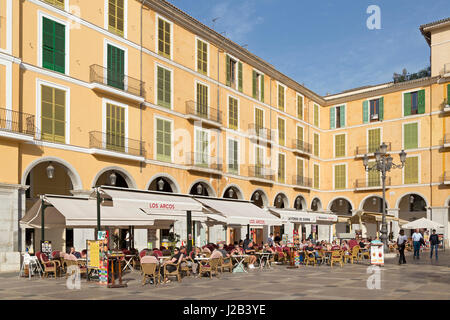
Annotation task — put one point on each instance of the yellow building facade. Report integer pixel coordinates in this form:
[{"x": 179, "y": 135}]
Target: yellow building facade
[{"x": 141, "y": 93}]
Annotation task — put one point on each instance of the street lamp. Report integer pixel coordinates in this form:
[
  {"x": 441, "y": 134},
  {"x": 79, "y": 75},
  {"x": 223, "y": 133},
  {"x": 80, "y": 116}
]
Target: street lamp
[
  {"x": 256, "y": 196},
  {"x": 50, "y": 171},
  {"x": 199, "y": 189},
  {"x": 113, "y": 178},
  {"x": 383, "y": 163},
  {"x": 230, "y": 193},
  {"x": 160, "y": 184}
]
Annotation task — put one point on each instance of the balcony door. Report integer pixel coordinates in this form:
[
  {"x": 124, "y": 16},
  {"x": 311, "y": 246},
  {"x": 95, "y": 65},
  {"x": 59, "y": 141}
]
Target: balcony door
[
  {"x": 116, "y": 63},
  {"x": 115, "y": 128}
]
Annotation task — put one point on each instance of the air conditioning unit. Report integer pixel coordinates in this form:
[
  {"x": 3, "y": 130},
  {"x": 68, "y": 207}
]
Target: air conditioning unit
[{"x": 374, "y": 117}]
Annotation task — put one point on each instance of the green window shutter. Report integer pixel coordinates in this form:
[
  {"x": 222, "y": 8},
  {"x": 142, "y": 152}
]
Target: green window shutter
[
  {"x": 316, "y": 144},
  {"x": 228, "y": 66},
  {"x": 406, "y": 104},
  {"x": 374, "y": 139},
  {"x": 202, "y": 57},
  {"x": 254, "y": 78},
  {"x": 300, "y": 107},
  {"x": 342, "y": 116},
  {"x": 448, "y": 94},
  {"x": 233, "y": 113},
  {"x": 163, "y": 140},
  {"x": 339, "y": 145},
  {"x": 259, "y": 120},
  {"x": 262, "y": 88},
  {"x": 411, "y": 171},
  {"x": 421, "y": 101},
  {"x": 332, "y": 118},
  {"x": 365, "y": 111},
  {"x": 115, "y": 128},
  {"x": 411, "y": 136},
  {"x": 240, "y": 80},
  {"x": 53, "y": 45},
  {"x": 373, "y": 176},
  {"x": 233, "y": 156},
  {"x": 164, "y": 88},
  {"x": 202, "y": 100},
  {"x": 116, "y": 67},
  {"x": 316, "y": 176},
  {"x": 280, "y": 97},
  {"x": 339, "y": 177},
  {"x": 281, "y": 132},
  {"x": 164, "y": 38},
  {"x": 116, "y": 16},
  {"x": 53, "y": 106},
  {"x": 316, "y": 115},
  {"x": 381, "y": 109},
  {"x": 300, "y": 167},
  {"x": 281, "y": 168}
]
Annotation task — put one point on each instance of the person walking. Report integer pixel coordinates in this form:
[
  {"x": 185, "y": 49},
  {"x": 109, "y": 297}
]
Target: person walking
[
  {"x": 416, "y": 243},
  {"x": 434, "y": 244},
  {"x": 270, "y": 240},
  {"x": 401, "y": 244}
]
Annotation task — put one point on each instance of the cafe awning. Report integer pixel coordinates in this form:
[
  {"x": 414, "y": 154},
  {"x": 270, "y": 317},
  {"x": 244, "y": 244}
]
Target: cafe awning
[
  {"x": 239, "y": 212},
  {"x": 294, "y": 216},
  {"x": 367, "y": 217}
]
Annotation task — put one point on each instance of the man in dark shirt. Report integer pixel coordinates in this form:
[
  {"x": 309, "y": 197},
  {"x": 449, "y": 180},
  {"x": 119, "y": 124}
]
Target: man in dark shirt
[
  {"x": 246, "y": 242},
  {"x": 434, "y": 244},
  {"x": 277, "y": 238}
]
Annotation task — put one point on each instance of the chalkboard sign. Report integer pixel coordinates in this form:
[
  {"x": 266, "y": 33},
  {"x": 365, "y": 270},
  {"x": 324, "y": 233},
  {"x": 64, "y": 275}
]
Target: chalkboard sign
[{"x": 46, "y": 247}]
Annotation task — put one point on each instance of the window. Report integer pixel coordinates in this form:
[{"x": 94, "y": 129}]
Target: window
[
  {"x": 234, "y": 76},
  {"x": 281, "y": 99},
  {"x": 411, "y": 170},
  {"x": 448, "y": 94},
  {"x": 300, "y": 136},
  {"x": 337, "y": 117},
  {"x": 116, "y": 16},
  {"x": 259, "y": 120},
  {"x": 281, "y": 132},
  {"x": 316, "y": 115},
  {"x": 340, "y": 176},
  {"x": 299, "y": 167},
  {"x": 163, "y": 140},
  {"x": 201, "y": 147},
  {"x": 202, "y": 57},
  {"x": 116, "y": 62},
  {"x": 57, "y": 3},
  {"x": 374, "y": 139},
  {"x": 281, "y": 167},
  {"x": 258, "y": 86},
  {"x": 164, "y": 38},
  {"x": 300, "y": 107},
  {"x": 373, "y": 110},
  {"x": 53, "y": 111},
  {"x": 259, "y": 161},
  {"x": 115, "y": 128},
  {"x": 53, "y": 45},
  {"x": 316, "y": 144},
  {"x": 373, "y": 176},
  {"x": 233, "y": 113},
  {"x": 316, "y": 176},
  {"x": 339, "y": 145},
  {"x": 410, "y": 135},
  {"x": 233, "y": 163},
  {"x": 202, "y": 100},
  {"x": 164, "y": 88},
  {"x": 414, "y": 102}
]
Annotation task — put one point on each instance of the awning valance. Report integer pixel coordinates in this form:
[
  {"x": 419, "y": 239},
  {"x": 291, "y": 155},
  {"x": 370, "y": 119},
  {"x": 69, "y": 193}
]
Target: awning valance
[
  {"x": 239, "y": 212},
  {"x": 294, "y": 216}
]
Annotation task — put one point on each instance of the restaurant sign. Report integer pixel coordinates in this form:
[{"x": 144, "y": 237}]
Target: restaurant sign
[
  {"x": 326, "y": 217},
  {"x": 159, "y": 205},
  {"x": 254, "y": 221},
  {"x": 301, "y": 219}
]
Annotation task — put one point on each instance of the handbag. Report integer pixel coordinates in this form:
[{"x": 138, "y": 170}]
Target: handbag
[{"x": 422, "y": 241}]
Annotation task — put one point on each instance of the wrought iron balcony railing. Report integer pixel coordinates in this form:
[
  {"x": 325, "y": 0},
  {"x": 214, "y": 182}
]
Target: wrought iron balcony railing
[
  {"x": 116, "y": 143},
  {"x": 371, "y": 183},
  {"x": 202, "y": 160},
  {"x": 362, "y": 150},
  {"x": 302, "y": 181},
  {"x": 258, "y": 131},
  {"x": 261, "y": 172},
  {"x": 203, "y": 111},
  {"x": 301, "y": 145},
  {"x": 17, "y": 122},
  {"x": 111, "y": 78}
]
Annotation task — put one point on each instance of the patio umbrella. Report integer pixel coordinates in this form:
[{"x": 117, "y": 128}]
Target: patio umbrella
[{"x": 422, "y": 223}]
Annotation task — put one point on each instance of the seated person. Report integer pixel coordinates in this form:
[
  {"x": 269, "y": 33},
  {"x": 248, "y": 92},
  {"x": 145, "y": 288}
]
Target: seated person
[
  {"x": 177, "y": 257},
  {"x": 310, "y": 250},
  {"x": 237, "y": 250},
  {"x": 206, "y": 251},
  {"x": 335, "y": 246},
  {"x": 252, "y": 259},
  {"x": 352, "y": 243},
  {"x": 83, "y": 254},
  {"x": 75, "y": 253},
  {"x": 266, "y": 248},
  {"x": 149, "y": 258},
  {"x": 196, "y": 253},
  {"x": 225, "y": 254}
]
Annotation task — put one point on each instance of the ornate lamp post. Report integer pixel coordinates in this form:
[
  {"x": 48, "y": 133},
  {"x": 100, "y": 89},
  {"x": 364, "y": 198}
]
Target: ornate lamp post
[{"x": 383, "y": 164}]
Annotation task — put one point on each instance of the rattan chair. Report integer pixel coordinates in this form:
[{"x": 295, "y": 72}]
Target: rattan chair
[
  {"x": 211, "y": 266},
  {"x": 309, "y": 257},
  {"x": 336, "y": 257},
  {"x": 150, "y": 270},
  {"x": 174, "y": 273},
  {"x": 225, "y": 265},
  {"x": 50, "y": 266},
  {"x": 353, "y": 255}
]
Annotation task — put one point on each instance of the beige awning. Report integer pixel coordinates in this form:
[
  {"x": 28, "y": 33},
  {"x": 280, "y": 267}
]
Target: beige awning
[
  {"x": 239, "y": 212},
  {"x": 294, "y": 216},
  {"x": 370, "y": 217}
]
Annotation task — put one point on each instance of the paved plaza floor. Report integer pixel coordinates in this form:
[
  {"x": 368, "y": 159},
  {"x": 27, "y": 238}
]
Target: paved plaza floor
[{"x": 418, "y": 279}]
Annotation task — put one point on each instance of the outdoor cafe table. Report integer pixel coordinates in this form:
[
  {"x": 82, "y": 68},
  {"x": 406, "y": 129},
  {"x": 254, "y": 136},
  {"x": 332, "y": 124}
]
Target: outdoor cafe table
[
  {"x": 128, "y": 259},
  {"x": 240, "y": 260},
  {"x": 261, "y": 256},
  {"x": 162, "y": 258}
]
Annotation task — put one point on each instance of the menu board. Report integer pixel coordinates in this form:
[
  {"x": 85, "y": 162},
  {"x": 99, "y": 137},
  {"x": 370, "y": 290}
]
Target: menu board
[
  {"x": 93, "y": 254},
  {"x": 103, "y": 257},
  {"x": 376, "y": 254},
  {"x": 46, "y": 246}
]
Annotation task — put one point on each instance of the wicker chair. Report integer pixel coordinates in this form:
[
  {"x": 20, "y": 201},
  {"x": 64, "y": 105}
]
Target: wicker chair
[
  {"x": 364, "y": 253},
  {"x": 174, "y": 273},
  {"x": 150, "y": 270},
  {"x": 336, "y": 257},
  {"x": 50, "y": 266},
  {"x": 225, "y": 265},
  {"x": 353, "y": 255},
  {"x": 309, "y": 258},
  {"x": 212, "y": 266},
  {"x": 184, "y": 267}
]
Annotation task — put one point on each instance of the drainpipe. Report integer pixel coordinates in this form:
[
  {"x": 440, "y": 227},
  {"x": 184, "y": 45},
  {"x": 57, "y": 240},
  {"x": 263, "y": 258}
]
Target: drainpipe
[
  {"x": 141, "y": 91},
  {"x": 431, "y": 153}
]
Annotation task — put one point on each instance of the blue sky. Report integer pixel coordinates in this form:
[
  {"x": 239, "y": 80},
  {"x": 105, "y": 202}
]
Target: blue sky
[{"x": 325, "y": 45}]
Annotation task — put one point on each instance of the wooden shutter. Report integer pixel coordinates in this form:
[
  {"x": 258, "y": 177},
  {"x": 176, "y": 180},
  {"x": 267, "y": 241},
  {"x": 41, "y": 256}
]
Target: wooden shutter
[
  {"x": 333, "y": 118},
  {"x": 116, "y": 67},
  {"x": 406, "y": 104},
  {"x": 280, "y": 97},
  {"x": 374, "y": 139},
  {"x": 228, "y": 71},
  {"x": 373, "y": 176},
  {"x": 115, "y": 128},
  {"x": 262, "y": 88},
  {"x": 281, "y": 132},
  {"x": 163, "y": 140},
  {"x": 316, "y": 144},
  {"x": 448, "y": 94},
  {"x": 411, "y": 136},
  {"x": 53, "y": 113},
  {"x": 411, "y": 170},
  {"x": 342, "y": 108},
  {"x": 300, "y": 167},
  {"x": 240, "y": 80},
  {"x": 164, "y": 38},
  {"x": 202, "y": 100},
  {"x": 255, "y": 88},
  {"x": 316, "y": 115},
  {"x": 53, "y": 45},
  {"x": 116, "y": 16},
  {"x": 316, "y": 176},
  {"x": 365, "y": 111},
  {"x": 339, "y": 177},
  {"x": 300, "y": 107},
  {"x": 421, "y": 101},
  {"x": 339, "y": 145},
  {"x": 202, "y": 57},
  {"x": 281, "y": 167},
  {"x": 164, "y": 88},
  {"x": 259, "y": 120},
  {"x": 57, "y": 3},
  {"x": 232, "y": 113},
  {"x": 300, "y": 135}
]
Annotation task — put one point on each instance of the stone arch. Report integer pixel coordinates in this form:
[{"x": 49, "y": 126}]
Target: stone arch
[
  {"x": 263, "y": 196},
  {"x": 173, "y": 183},
  {"x": 206, "y": 184},
  {"x": 302, "y": 201},
  {"x": 361, "y": 204},
  {"x": 284, "y": 199},
  {"x": 340, "y": 197},
  {"x": 125, "y": 174},
  {"x": 320, "y": 206},
  {"x": 71, "y": 171},
  {"x": 236, "y": 188},
  {"x": 399, "y": 199}
]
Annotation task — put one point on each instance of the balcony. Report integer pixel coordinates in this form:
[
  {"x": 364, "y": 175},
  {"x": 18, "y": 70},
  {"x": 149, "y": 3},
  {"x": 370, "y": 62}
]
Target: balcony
[
  {"x": 369, "y": 150},
  {"x": 446, "y": 70},
  {"x": 301, "y": 147},
  {"x": 301, "y": 182},
  {"x": 117, "y": 146},
  {"x": 198, "y": 112},
  {"x": 446, "y": 141},
  {"x": 371, "y": 184},
  {"x": 113, "y": 83},
  {"x": 445, "y": 178},
  {"x": 202, "y": 162},
  {"x": 446, "y": 105},
  {"x": 261, "y": 174},
  {"x": 259, "y": 134},
  {"x": 16, "y": 125}
]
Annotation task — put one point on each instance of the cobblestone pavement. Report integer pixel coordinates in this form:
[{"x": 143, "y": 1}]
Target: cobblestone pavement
[{"x": 418, "y": 279}]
